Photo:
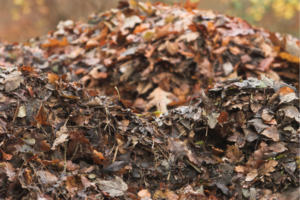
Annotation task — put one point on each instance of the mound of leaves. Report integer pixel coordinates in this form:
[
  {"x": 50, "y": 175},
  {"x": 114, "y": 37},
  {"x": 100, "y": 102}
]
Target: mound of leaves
[
  {"x": 237, "y": 141},
  {"x": 158, "y": 55},
  {"x": 84, "y": 130}
]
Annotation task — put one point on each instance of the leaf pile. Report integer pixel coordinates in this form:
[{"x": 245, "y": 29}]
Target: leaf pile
[
  {"x": 158, "y": 55},
  {"x": 72, "y": 109},
  {"x": 239, "y": 140}
]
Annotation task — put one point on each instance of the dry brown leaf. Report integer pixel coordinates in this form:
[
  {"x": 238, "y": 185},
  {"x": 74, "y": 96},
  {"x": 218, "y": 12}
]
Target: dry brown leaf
[
  {"x": 234, "y": 154},
  {"x": 266, "y": 63},
  {"x": 42, "y": 117},
  {"x": 52, "y": 78},
  {"x": 251, "y": 175},
  {"x": 239, "y": 168},
  {"x": 47, "y": 178},
  {"x": 61, "y": 136},
  {"x": 92, "y": 43},
  {"x": 55, "y": 43},
  {"x": 271, "y": 132},
  {"x": 278, "y": 147},
  {"x": 121, "y": 143},
  {"x": 166, "y": 194},
  {"x": 122, "y": 125},
  {"x": 9, "y": 170},
  {"x": 240, "y": 118},
  {"x": 266, "y": 168},
  {"x": 172, "y": 47},
  {"x": 144, "y": 86},
  {"x": 5, "y": 156},
  {"x": 98, "y": 157},
  {"x": 160, "y": 99},
  {"x": 177, "y": 147},
  {"x": 161, "y": 32},
  {"x": 85, "y": 182},
  {"x": 289, "y": 57},
  {"x": 144, "y": 193},
  {"x": 115, "y": 187},
  {"x": 263, "y": 170},
  {"x": 223, "y": 117},
  {"x": 73, "y": 184},
  {"x": 266, "y": 115}
]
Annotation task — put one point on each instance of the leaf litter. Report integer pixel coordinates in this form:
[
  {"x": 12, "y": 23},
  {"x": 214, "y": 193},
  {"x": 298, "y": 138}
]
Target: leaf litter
[{"x": 116, "y": 109}]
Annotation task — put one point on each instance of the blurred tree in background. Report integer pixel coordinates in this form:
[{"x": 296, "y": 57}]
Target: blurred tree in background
[
  {"x": 275, "y": 15},
  {"x": 21, "y": 20}
]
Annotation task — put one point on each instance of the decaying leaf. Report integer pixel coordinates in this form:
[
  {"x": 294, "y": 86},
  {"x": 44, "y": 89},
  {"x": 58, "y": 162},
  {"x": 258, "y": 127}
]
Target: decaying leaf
[
  {"x": 9, "y": 170},
  {"x": 41, "y": 116},
  {"x": 177, "y": 147},
  {"x": 212, "y": 119},
  {"x": 115, "y": 187},
  {"x": 251, "y": 175},
  {"x": 12, "y": 81},
  {"x": 61, "y": 136},
  {"x": 47, "y": 178},
  {"x": 271, "y": 132},
  {"x": 263, "y": 170},
  {"x": 223, "y": 117},
  {"x": 234, "y": 154}
]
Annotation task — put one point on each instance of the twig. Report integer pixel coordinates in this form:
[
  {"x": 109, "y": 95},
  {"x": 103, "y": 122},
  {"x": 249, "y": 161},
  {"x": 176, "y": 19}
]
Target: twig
[
  {"x": 118, "y": 93},
  {"x": 116, "y": 152},
  {"x": 39, "y": 180},
  {"x": 107, "y": 124},
  {"x": 112, "y": 149},
  {"x": 16, "y": 113},
  {"x": 181, "y": 134},
  {"x": 65, "y": 160},
  {"x": 41, "y": 126},
  {"x": 75, "y": 151},
  {"x": 162, "y": 152}
]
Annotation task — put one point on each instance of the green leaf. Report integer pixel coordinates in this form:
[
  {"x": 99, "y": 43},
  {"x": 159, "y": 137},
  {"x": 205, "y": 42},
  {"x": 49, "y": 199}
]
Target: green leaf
[
  {"x": 280, "y": 156},
  {"x": 199, "y": 143}
]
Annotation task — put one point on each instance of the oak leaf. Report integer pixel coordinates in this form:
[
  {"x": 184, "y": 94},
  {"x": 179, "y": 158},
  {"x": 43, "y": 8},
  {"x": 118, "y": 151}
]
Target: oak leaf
[
  {"x": 263, "y": 170},
  {"x": 9, "y": 170},
  {"x": 234, "y": 154},
  {"x": 160, "y": 99}
]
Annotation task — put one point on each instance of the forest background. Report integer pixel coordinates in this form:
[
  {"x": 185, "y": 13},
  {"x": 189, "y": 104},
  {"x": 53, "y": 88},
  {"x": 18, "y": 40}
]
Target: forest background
[{"x": 21, "y": 20}]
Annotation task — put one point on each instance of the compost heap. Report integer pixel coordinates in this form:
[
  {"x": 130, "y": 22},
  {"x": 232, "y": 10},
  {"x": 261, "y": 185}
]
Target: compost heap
[{"x": 238, "y": 138}]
